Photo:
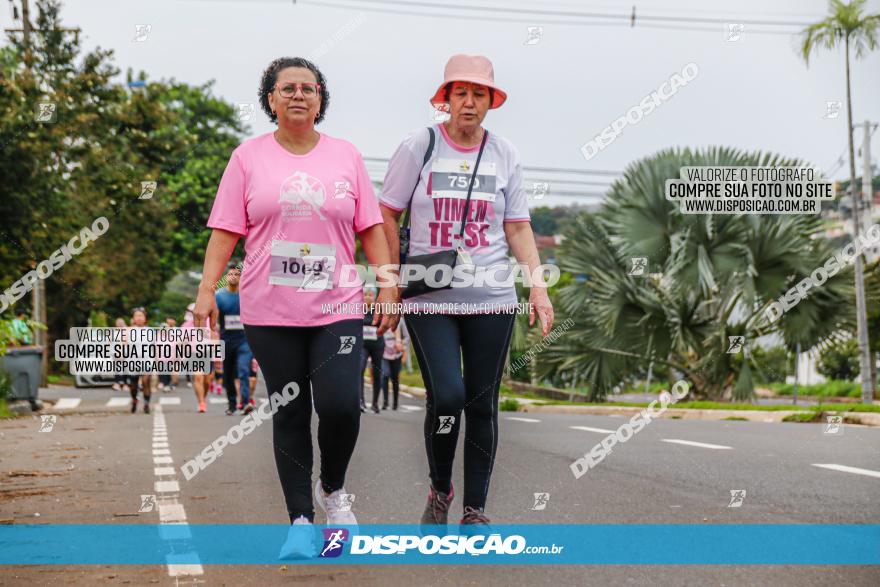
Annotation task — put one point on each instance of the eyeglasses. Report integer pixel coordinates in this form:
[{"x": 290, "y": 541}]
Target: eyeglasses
[{"x": 309, "y": 89}]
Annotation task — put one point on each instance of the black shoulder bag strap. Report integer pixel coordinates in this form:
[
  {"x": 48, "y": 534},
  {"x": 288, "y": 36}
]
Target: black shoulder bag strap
[
  {"x": 404, "y": 228},
  {"x": 467, "y": 203}
]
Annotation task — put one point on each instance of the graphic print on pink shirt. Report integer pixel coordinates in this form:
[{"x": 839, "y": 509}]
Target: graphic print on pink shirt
[{"x": 301, "y": 195}]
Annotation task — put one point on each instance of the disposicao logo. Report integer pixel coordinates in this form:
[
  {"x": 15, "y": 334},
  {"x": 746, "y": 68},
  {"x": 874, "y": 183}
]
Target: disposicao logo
[{"x": 334, "y": 542}]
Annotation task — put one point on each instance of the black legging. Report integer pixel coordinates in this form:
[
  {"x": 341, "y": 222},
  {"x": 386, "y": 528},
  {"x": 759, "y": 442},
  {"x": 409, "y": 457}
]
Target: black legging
[
  {"x": 373, "y": 351},
  {"x": 394, "y": 376},
  {"x": 311, "y": 355},
  {"x": 441, "y": 342}
]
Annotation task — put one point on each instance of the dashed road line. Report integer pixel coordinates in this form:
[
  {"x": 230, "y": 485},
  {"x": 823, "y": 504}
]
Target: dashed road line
[
  {"x": 518, "y": 419},
  {"x": 67, "y": 403},
  {"x": 169, "y": 401},
  {"x": 117, "y": 402},
  {"x": 697, "y": 444},
  {"x": 591, "y": 429},
  {"x": 172, "y": 513},
  {"x": 848, "y": 469}
]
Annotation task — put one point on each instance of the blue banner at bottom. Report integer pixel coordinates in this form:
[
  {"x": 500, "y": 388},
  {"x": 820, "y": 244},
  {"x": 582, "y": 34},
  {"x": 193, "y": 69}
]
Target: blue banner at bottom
[{"x": 604, "y": 544}]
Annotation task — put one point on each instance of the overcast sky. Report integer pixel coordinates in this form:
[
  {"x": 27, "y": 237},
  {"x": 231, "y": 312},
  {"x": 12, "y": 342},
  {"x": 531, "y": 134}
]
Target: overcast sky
[{"x": 752, "y": 93}]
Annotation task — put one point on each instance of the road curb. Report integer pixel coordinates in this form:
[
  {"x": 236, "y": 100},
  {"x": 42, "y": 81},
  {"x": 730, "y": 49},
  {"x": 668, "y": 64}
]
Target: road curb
[{"x": 866, "y": 418}]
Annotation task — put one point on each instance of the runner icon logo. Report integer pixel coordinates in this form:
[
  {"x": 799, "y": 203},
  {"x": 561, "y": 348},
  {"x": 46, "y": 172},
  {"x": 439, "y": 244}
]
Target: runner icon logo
[
  {"x": 541, "y": 500},
  {"x": 639, "y": 264},
  {"x": 346, "y": 500},
  {"x": 334, "y": 541},
  {"x": 342, "y": 189},
  {"x": 737, "y": 496},
  {"x": 735, "y": 344},
  {"x": 346, "y": 345},
  {"x": 446, "y": 423},
  {"x": 148, "y": 502},
  {"x": 833, "y": 425},
  {"x": 47, "y": 423},
  {"x": 147, "y": 190}
]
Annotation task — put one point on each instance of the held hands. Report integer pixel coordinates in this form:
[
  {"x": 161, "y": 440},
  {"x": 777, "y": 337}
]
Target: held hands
[
  {"x": 540, "y": 303},
  {"x": 387, "y": 317}
]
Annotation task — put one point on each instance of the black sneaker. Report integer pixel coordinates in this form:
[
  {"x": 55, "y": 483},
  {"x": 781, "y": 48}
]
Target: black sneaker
[
  {"x": 146, "y": 407},
  {"x": 436, "y": 510}
]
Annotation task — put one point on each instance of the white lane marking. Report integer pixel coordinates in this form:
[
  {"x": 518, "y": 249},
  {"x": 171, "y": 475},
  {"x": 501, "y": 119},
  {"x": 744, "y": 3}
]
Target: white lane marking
[
  {"x": 67, "y": 403},
  {"x": 517, "y": 419},
  {"x": 167, "y": 487},
  {"x": 217, "y": 400},
  {"x": 116, "y": 402},
  {"x": 160, "y": 445},
  {"x": 157, "y": 452},
  {"x": 405, "y": 394},
  {"x": 171, "y": 512},
  {"x": 410, "y": 408},
  {"x": 697, "y": 444},
  {"x": 180, "y": 570},
  {"x": 590, "y": 429},
  {"x": 847, "y": 469},
  {"x": 169, "y": 401}
]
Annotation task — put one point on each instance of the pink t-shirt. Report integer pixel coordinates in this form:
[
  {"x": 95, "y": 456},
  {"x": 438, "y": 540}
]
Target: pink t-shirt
[{"x": 299, "y": 215}]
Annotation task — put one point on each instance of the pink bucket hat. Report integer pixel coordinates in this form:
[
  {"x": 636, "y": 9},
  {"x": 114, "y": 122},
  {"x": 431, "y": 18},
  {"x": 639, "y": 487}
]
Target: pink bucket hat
[{"x": 469, "y": 68}]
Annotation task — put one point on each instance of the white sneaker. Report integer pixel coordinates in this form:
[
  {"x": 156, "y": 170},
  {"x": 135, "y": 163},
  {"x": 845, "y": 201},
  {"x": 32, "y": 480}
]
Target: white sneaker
[
  {"x": 300, "y": 543},
  {"x": 336, "y": 506}
]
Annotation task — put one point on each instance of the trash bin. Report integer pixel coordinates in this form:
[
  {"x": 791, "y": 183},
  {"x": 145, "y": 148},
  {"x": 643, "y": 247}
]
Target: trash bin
[{"x": 23, "y": 364}]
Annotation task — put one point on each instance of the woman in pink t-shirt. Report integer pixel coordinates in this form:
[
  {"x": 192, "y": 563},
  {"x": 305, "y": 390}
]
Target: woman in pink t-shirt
[{"x": 300, "y": 197}]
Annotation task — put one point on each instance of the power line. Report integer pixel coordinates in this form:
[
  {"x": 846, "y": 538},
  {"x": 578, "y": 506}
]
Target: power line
[
  {"x": 535, "y": 168},
  {"x": 623, "y": 20}
]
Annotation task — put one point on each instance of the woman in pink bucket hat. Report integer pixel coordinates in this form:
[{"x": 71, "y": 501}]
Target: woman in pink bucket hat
[{"x": 461, "y": 188}]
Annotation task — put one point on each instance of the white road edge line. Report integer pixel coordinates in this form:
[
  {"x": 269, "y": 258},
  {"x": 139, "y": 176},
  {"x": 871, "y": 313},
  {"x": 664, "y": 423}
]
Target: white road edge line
[
  {"x": 590, "y": 429},
  {"x": 697, "y": 444},
  {"x": 67, "y": 403},
  {"x": 847, "y": 469},
  {"x": 517, "y": 419}
]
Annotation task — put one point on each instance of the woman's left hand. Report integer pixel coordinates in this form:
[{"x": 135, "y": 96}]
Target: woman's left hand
[
  {"x": 387, "y": 317},
  {"x": 539, "y": 302}
]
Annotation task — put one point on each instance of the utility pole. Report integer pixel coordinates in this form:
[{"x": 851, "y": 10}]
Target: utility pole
[
  {"x": 868, "y": 194},
  {"x": 861, "y": 309},
  {"x": 38, "y": 297},
  {"x": 867, "y": 176}
]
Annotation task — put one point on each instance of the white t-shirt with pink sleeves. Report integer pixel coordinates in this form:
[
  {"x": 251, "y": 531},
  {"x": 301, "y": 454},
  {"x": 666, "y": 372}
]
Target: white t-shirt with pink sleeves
[
  {"x": 438, "y": 205},
  {"x": 299, "y": 215}
]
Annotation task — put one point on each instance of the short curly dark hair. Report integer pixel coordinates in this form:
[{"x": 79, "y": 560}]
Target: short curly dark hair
[{"x": 270, "y": 78}]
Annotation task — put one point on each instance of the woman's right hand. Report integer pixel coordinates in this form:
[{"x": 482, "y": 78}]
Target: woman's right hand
[{"x": 206, "y": 307}]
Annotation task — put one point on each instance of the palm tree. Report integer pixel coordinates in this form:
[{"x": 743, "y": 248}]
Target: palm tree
[
  {"x": 846, "y": 24},
  {"x": 708, "y": 277}
]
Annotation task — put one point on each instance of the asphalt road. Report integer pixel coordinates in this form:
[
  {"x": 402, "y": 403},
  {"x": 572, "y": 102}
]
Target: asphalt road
[{"x": 98, "y": 460}]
